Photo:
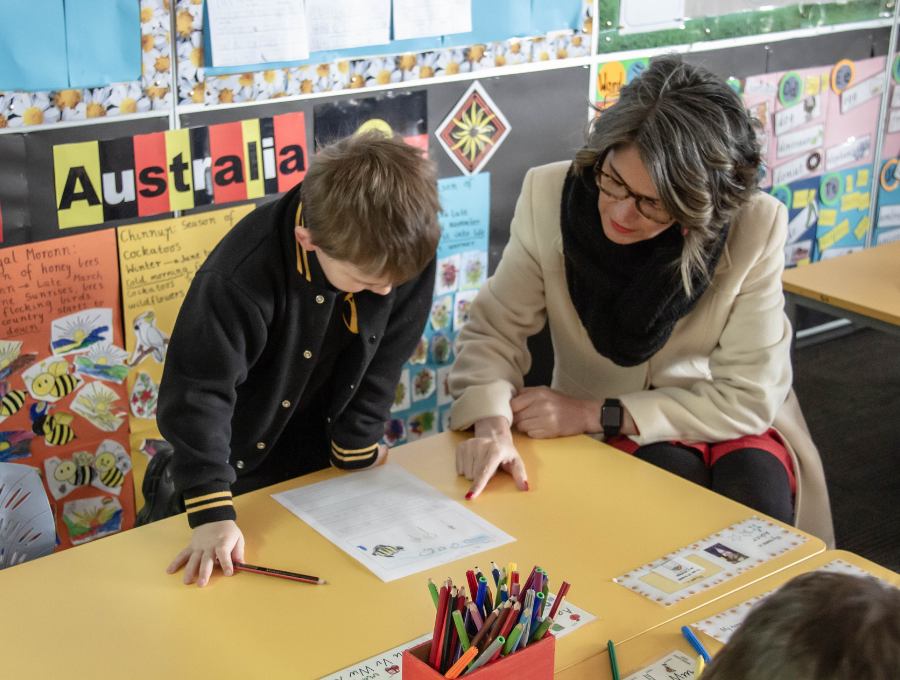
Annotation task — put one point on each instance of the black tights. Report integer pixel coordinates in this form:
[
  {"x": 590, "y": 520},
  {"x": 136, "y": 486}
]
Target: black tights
[{"x": 753, "y": 477}]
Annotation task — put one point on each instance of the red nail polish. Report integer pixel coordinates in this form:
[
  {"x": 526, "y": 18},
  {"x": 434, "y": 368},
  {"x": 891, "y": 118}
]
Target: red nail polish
[
  {"x": 469, "y": 496},
  {"x": 527, "y": 488}
]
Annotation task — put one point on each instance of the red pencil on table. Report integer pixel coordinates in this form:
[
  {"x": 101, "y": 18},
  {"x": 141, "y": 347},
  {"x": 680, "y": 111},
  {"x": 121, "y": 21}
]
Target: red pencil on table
[
  {"x": 563, "y": 591},
  {"x": 315, "y": 580},
  {"x": 439, "y": 620}
]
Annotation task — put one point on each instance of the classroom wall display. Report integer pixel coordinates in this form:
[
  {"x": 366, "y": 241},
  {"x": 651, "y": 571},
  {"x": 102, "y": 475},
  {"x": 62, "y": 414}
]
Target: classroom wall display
[
  {"x": 21, "y": 110},
  {"x": 887, "y": 213},
  {"x": 157, "y": 262},
  {"x": 473, "y": 130},
  {"x": 818, "y": 130},
  {"x": 682, "y": 22},
  {"x": 160, "y": 172},
  {"x": 404, "y": 115},
  {"x": 63, "y": 408},
  {"x": 613, "y": 75},
  {"x": 403, "y": 61},
  {"x": 422, "y": 402}
]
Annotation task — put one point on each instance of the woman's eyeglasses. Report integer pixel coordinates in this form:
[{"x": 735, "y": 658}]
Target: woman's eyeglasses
[{"x": 616, "y": 190}]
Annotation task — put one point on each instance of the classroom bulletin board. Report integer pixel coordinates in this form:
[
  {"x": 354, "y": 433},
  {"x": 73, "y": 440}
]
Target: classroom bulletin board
[{"x": 112, "y": 194}]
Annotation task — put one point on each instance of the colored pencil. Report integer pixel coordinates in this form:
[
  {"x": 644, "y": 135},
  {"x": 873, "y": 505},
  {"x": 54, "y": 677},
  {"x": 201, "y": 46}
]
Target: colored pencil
[
  {"x": 563, "y": 590},
  {"x": 434, "y": 593},
  {"x": 438, "y": 633},
  {"x": 537, "y": 606},
  {"x": 512, "y": 639},
  {"x": 504, "y": 593},
  {"x": 444, "y": 650},
  {"x": 476, "y": 615},
  {"x": 266, "y": 571},
  {"x": 489, "y": 600},
  {"x": 613, "y": 664},
  {"x": 484, "y": 631},
  {"x": 482, "y": 589},
  {"x": 495, "y": 572},
  {"x": 458, "y": 667},
  {"x": 529, "y": 580},
  {"x": 545, "y": 591},
  {"x": 472, "y": 581},
  {"x": 461, "y": 631},
  {"x": 485, "y": 656},
  {"x": 695, "y": 643},
  {"x": 541, "y": 629},
  {"x": 511, "y": 620}
]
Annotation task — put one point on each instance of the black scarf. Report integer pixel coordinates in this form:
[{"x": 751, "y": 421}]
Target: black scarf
[{"x": 628, "y": 297}]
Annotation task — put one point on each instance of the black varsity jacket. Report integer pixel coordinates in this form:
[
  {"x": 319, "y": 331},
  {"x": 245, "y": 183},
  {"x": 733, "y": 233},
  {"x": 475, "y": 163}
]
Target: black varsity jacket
[{"x": 245, "y": 343}]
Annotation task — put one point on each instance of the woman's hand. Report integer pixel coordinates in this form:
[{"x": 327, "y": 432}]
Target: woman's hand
[
  {"x": 491, "y": 448},
  {"x": 544, "y": 413}
]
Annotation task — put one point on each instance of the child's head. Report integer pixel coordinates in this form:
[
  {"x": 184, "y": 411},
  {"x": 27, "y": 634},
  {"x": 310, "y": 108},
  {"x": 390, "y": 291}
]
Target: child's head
[
  {"x": 819, "y": 626},
  {"x": 370, "y": 207}
]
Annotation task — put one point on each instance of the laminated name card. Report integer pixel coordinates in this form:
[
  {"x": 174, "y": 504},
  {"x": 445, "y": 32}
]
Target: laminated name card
[{"x": 711, "y": 561}]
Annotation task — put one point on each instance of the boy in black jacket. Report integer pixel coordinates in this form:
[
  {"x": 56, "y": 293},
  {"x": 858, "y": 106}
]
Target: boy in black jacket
[{"x": 289, "y": 345}]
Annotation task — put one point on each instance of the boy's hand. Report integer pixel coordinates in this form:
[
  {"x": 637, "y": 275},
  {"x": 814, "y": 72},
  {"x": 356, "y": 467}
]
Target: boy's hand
[
  {"x": 491, "y": 448},
  {"x": 221, "y": 541}
]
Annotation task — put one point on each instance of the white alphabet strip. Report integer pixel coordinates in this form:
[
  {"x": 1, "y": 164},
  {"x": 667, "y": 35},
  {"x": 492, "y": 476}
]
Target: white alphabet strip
[
  {"x": 894, "y": 121},
  {"x": 673, "y": 666},
  {"x": 721, "y": 556},
  {"x": 888, "y": 236},
  {"x": 798, "y": 114},
  {"x": 792, "y": 170},
  {"x": 889, "y": 216},
  {"x": 799, "y": 141},
  {"x": 848, "y": 152},
  {"x": 723, "y": 625},
  {"x": 761, "y": 85},
  {"x": 862, "y": 92}
]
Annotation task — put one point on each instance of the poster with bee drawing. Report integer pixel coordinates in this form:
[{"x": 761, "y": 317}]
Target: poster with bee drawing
[{"x": 63, "y": 401}]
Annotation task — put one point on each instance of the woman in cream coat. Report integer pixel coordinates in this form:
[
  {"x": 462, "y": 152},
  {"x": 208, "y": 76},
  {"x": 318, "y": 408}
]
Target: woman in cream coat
[{"x": 658, "y": 265}]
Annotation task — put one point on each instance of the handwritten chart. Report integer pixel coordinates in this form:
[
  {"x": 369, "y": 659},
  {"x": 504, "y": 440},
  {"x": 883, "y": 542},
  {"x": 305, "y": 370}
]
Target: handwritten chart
[
  {"x": 391, "y": 521},
  {"x": 157, "y": 262}
]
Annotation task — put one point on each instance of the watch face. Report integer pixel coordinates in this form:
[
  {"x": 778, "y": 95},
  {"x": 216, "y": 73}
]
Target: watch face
[{"x": 610, "y": 416}]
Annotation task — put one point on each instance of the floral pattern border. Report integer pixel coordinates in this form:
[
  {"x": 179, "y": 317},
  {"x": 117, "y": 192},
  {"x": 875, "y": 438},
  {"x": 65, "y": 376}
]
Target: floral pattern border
[
  {"x": 154, "y": 91},
  {"x": 151, "y": 93}
]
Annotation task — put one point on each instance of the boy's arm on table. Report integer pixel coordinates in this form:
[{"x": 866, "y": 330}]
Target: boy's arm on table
[
  {"x": 355, "y": 434},
  {"x": 219, "y": 334}
]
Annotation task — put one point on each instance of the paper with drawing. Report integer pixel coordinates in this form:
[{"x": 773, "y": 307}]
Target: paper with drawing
[{"x": 391, "y": 521}]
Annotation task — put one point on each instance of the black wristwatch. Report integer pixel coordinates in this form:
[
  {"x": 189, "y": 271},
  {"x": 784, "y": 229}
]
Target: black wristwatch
[{"x": 611, "y": 417}]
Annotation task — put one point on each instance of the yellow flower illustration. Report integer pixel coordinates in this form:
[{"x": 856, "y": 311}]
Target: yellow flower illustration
[{"x": 474, "y": 133}]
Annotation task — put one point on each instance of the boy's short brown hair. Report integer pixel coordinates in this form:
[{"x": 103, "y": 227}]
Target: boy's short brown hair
[
  {"x": 372, "y": 201},
  {"x": 818, "y": 626}
]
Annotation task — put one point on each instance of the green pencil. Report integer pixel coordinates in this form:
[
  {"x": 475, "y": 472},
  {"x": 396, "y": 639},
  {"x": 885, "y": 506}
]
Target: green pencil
[
  {"x": 461, "y": 629},
  {"x": 434, "y": 593},
  {"x": 512, "y": 639},
  {"x": 612, "y": 660},
  {"x": 541, "y": 629}
]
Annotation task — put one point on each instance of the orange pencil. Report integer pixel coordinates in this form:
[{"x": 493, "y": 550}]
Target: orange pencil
[{"x": 460, "y": 665}]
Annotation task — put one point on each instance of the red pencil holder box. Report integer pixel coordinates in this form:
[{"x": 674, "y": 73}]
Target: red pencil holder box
[{"x": 535, "y": 662}]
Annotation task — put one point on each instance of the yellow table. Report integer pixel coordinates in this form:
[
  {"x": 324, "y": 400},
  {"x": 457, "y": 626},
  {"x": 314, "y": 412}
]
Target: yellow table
[
  {"x": 592, "y": 514},
  {"x": 642, "y": 650},
  {"x": 863, "y": 287}
]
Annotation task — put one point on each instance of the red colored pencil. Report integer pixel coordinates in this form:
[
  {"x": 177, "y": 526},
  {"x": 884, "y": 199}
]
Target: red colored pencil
[
  {"x": 511, "y": 620},
  {"x": 439, "y": 620},
  {"x": 473, "y": 583},
  {"x": 266, "y": 571},
  {"x": 514, "y": 579},
  {"x": 529, "y": 580},
  {"x": 563, "y": 591}
]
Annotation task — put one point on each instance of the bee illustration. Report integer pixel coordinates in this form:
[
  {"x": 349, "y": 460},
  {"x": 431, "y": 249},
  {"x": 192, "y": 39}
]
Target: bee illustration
[
  {"x": 56, "y": 382},
  {"x": 386, "y": 550},
  {"x": 11, "y": 401},
  {"x": 109, "y": 473},
  {"x": 55, "y": 428},
  {"x": 77, "y": 471}
]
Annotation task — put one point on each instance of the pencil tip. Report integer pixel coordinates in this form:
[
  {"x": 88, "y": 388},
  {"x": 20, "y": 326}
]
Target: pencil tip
[{"x": 323, "y": 582}]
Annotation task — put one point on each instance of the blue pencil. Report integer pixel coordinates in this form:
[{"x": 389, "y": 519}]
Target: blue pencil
[
  {"x": 479, "y": 598},
  {"x": 495, "y": 572},
  {"x": 537, "y": 606},
  {"x": 695, "y": 643}
]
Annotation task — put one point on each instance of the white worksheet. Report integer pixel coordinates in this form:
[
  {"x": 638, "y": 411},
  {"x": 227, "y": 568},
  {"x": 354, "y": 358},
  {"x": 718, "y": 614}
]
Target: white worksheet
[
  {"x": 257, "y": 31},
  {"x": 391, "y": 521},
  {"x": 343, "y": 24},
  {"x": 673, "y": 666},
  {"x": 427, "y": 18}
]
